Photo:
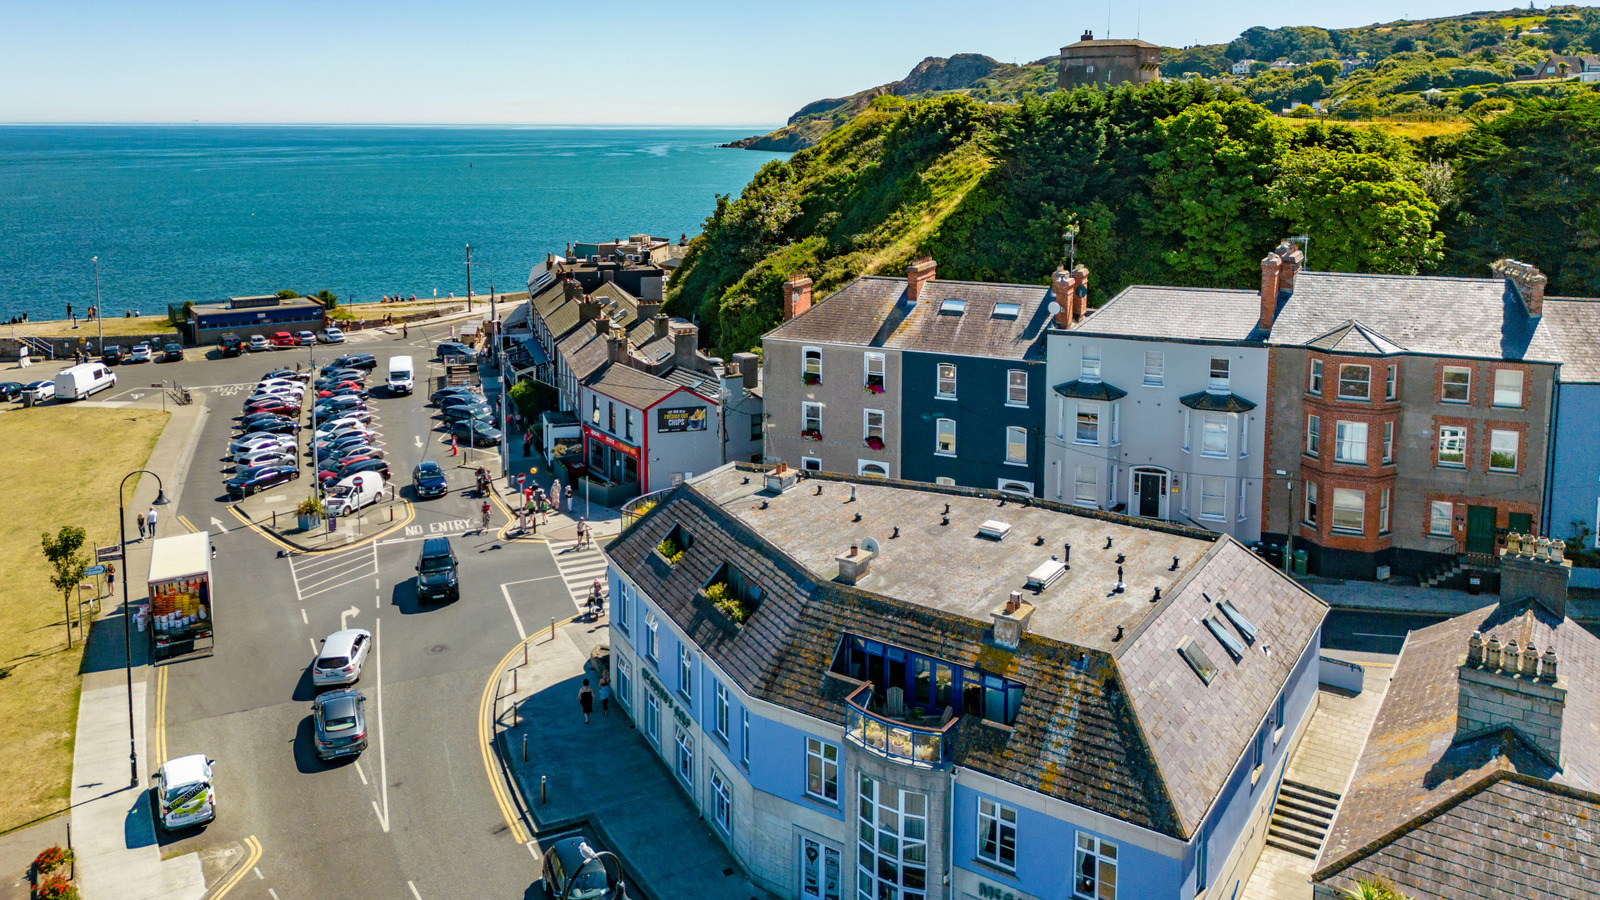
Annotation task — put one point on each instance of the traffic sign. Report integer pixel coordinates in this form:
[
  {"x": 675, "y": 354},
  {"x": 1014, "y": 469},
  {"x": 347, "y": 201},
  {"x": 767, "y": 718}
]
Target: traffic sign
[
  {"x": 107, "y": 554},
  {"x": 95, "y": 570}
]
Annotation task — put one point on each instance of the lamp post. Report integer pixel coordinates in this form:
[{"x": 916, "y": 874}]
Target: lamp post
[
  {"x": 127, "y": 612},
  {"x": 99, "y": 320}
]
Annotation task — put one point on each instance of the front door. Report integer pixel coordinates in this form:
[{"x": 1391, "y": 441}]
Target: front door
[
  {"x": 1480, "y": 529},
  {"x": 819, "y": 870},
  {"x": 1150, "y": 487}
]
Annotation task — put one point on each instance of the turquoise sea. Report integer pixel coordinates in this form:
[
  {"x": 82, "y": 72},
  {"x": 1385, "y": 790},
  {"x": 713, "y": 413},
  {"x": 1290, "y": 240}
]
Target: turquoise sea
[{"x": 200, "y": 213}]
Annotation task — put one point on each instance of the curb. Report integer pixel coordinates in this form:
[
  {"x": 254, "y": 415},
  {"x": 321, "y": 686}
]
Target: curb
[{"x": 293, "y": 547}]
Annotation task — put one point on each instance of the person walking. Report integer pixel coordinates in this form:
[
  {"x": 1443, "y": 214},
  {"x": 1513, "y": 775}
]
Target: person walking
[
  {"x": 583, "y": 534},
  {"x": 605, "y": 693},
  {"x": 111, "y": 580},
  {"x": 141, "y": 526},
  {"x": 527, "y": 443},
  {"x": 150, "y": 521},
  {"x": 586, "y": 700},
  {"x": 570, "y": 507}
]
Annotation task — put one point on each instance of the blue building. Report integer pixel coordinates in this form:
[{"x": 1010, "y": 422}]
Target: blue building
[
  {"x": 1572, "y": 502},
  {"x": 874, "y": 689}
]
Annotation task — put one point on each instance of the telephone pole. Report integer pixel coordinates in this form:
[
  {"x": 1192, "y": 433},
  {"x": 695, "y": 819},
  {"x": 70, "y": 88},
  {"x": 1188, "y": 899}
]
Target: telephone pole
[{"x": 469, "y": 278}]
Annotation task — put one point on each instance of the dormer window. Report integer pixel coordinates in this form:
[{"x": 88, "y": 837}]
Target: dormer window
[
  {"x": 1218, "y": 382},
  {"x": 732, "y": 593},
  {"x": 675, "y": 544}
]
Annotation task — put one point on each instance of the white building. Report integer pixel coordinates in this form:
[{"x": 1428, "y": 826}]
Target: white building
[
  {"x": 1158, "y": 408},
  {"x": 1242, "y": 67}
]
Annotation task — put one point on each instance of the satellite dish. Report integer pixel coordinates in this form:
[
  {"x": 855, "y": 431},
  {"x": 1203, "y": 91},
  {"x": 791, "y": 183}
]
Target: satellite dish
[
  {"x": 870, "y": 545},
  {"x": 1081, "y": 290},
  {"x": 1054, "y": 307}
]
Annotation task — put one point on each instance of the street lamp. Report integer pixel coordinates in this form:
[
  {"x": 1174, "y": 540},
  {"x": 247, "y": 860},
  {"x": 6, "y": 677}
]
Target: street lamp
[
  {"x": 127, "y": 613},
  {"x": 99, "y": 319}
]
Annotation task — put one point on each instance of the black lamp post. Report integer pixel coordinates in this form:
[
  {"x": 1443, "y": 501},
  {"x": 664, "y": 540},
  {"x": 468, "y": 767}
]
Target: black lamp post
[{"x": 127, "y": 613}]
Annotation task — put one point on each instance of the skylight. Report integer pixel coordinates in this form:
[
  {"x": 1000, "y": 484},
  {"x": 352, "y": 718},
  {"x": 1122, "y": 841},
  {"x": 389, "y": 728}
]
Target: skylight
[
  {"x": 1229, "y": 642},
  {"x": 953, "y": 306},
  {"x": 1006, "y": 310},
  {"x": 1197, "y": 659},
  {"x": 1238, "y": 620}
]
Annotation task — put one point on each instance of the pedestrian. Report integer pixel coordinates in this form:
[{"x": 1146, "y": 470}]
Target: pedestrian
[
  {"x": 405, "y": 330},
  {"x": 69, "y": 310},
  {"x": 586, "y": 700},
  {"x": 605, "y": 693},
  {"x": 569, "y": 498},
  {"x": 111, "y": 579},
  {"x": 583, "y": 534},
  {"x": 141, "y": 526},
  {"x": 527, "y": 443},
  {"x": 150, "y": 521}
]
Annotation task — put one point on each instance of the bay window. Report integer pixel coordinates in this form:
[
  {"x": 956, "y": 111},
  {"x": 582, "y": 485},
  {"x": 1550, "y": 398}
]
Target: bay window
[
  {"x": 1214, "y": 436},
  {"x": 1084, "y": 484},
  {"x": 1088, "y": 424},
  {"x": 1355, "y": 382},
  {"x": 1350, "y": 445},
  {"x": 1213, "y": 497},
  {"x": 1349, "y": 509}
]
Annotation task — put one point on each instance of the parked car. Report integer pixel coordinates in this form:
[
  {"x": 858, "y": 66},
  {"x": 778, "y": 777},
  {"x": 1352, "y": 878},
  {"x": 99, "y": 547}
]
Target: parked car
[
  {"x": 353, "y": 451},
  {"x": 344, "y": 390},
  {"x": 41, "y": 390},
  {"x": 274, "y": 425},
  {"x": 111, "y": 355},
  {"x": 438, "y": 577},
  {"x": 459, "y": 391},
  {"x": 229, "y": 345},
  {"x": 281, "y": 456},
  {"x": 252, "y": 480},
  {"x": 462, "y": 400},
  {"x": 365, "y": 361},
  {"x": 252, "y": 443},
  {"x": 305, "y": 338},
  {"x": 339, "y": 661},
  {"x": 479, "y": 432},
  {"x": 185, "y": 796},
  {"x": 575, "y": 870},
  {"x": 458, "y": 413},
  {"x": 287, "y": 375},
  {"x": 355, "y": 491},
  {"x": 455, "y": 350},
  {"x": 286, "y": 408},
  {"x": 330, "y": 336},
  {"x": 343, "y": 425},
  {"x": 172, "y": 353},
  {"x": 355, "y": 467},
  {"x": 259, "y": 343},
  {"x": 11, "y": 391},
  {"x": 339, "y": 723},
  {"x": 283, "y": 339},
  {"x": 427, "y": 480},
  {"x": 141, "y": 353}
]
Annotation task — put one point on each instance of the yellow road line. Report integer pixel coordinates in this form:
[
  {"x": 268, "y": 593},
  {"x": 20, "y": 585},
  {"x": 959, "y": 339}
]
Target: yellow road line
[
  {"x": 485, "y": 739},
  {"x": 184, "y": 520},
  {"x": 159, "y": 736},
  {"x": 253, "y": 851},
  {"x": 411, "y": 513}
]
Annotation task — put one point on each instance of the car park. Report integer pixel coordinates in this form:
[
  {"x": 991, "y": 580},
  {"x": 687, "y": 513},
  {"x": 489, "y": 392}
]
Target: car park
[
  {"x": 340, "y": 659},
  {"x": 330, "y": 336},
  {"x": 339, "y": 723},
  {"x": 477, "y": 431},
  {"x": 184, "y": 793},
  {"x": 574, "y": 870},
  {"x": 40, "y": 390},
  {"x": 438, "y": 575},
  {"x": 141, "y": 353},
  {"x": 250, "y": 481},
  {"x": 172, "y": 353},
  {"x": 111, "y": 355},
  {"x": 259, "y": 343},
  {"x": 11, "y": 391},
  {"x": 353, "y": 492},
  {"x": 283, "y": 339},
  {"x": 364, "y": 361},
  {"x": 427, "y": 480},
  {"x": 305, "y": 338}
]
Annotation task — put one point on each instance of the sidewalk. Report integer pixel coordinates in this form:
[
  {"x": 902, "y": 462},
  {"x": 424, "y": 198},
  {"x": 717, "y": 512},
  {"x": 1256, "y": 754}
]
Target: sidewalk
[
  {"x": 1400, "y": 598},
  {"x": 625, "y": 794}
]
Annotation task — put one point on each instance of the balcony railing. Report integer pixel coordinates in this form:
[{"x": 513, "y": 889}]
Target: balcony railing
[{"x": 931, "y": 745}]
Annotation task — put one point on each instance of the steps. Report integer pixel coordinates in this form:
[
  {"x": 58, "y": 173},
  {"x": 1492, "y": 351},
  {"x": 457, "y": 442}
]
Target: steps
[{"x": 1300, "y": 818}]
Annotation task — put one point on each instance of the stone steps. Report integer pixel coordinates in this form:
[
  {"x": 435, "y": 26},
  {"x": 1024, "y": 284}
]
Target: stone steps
[{"x": 1301, "y": 816}]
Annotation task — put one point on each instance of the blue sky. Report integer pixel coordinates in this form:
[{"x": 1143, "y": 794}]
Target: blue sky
[{"x": 751, "y": 62}]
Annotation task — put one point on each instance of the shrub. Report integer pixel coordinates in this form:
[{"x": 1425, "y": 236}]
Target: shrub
[
  {"x": 311, "y": 506},
  {"x": 1302, "y": 112},
  {"x": 55, "y": 887},
  {"x": 670, "y": 549},
  {"x": 51, "y": 859},
  {"x": 730, "y": 607}
]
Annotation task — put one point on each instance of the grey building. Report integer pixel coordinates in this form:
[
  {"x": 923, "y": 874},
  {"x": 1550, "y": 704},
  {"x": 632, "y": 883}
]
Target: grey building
[{"x": 1102, "y": 63}]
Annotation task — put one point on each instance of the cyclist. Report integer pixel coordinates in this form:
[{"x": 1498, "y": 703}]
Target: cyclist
[{"x": 485, "y": 515}]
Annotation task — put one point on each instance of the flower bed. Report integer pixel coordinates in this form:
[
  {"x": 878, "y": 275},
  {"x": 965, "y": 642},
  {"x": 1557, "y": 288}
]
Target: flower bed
[
  {"x": 811, "y": 378},
  {"x": 726, "y": 603},
  {"x": 873, "y": 388}
]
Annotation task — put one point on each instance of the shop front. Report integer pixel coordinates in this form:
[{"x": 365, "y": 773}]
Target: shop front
[{"x": 613, "y": 465}]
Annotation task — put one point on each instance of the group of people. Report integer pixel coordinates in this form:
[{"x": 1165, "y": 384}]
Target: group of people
[{"x": 397, "y": 299}]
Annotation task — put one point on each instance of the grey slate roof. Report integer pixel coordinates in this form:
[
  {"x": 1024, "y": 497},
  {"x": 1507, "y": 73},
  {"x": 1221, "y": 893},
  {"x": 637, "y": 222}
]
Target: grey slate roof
[
  {"x": 1209, "y": 402},
  {"x": 584, "y": 351},
  {"x": 1354, "y": 337},
  {"x": 1462, "y": 317},
  {"x": 1078, "y": 389},
  {"x": 1575, "y": 325},
  {"x": 626, "y": 384},
  {"x": 854, "y": 314},
  {"x": 1209, "y": 315}
]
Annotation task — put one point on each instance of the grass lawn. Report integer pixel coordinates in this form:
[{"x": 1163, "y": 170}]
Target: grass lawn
[
  {"x": 47, "y": 486},
  {"x": 133, "y": 330}
]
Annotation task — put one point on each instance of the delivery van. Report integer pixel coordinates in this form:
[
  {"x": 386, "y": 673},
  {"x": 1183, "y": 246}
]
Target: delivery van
[
  {"x": 78, "y": 382},
  {"x": 354, "y": 492},
  {"x": 402, "y": 375}
]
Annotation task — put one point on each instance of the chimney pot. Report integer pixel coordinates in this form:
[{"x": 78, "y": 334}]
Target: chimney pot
[
  {"x": 1525, "y": 281},
  {"x": 1491, "y": 653},
  {"x": 854, "y": 549},
  {"x": 918, "y": 274},
  {"x": 1014, "y": 602},
  {"x": 1475, "y": 650},
  {"x": 1548, "y": 673},
  {"x": 1080, "y": 292},
  {"x": 1510, "y": 657},
  {"x": 1530, "y": 662},
  {"x": 1087, "y": 36}
]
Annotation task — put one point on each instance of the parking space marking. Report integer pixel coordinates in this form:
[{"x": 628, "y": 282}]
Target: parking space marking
[
  {"x": 414, "y": 890},
  {"x": 383, "y": 761},
  {"x": 303, "y": 619},
  {"x": 361, "y": 773},
  {"x": 506, "y": 590}
]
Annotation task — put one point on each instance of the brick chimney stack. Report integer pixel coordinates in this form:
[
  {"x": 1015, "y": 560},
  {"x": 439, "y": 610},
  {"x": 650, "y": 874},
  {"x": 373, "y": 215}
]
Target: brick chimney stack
[
  {"x": 1535, "y": 568},
  {"x": 1087, "y": 36},
  {"x": 1526, "y": 280},
  {"x": 661, "y": 322},
  {"x": 918, "y": 274},
  {"x": 617, "y": 346},
  {"x": 796, "y": 295},
  {"x": 684, "y": 339},
  {"x": 1061, "y": 293},
  {"x": 1511, "y": 687},
  {"x": 1294, "y": 259},
  {"x": 571, "y": 289},
  {"x": 1271, "y": 266},
  {"x": 1080, "y": 292}
]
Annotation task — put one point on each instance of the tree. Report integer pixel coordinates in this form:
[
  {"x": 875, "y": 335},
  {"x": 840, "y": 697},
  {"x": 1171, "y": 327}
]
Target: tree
[
  {"x": 287, "y": 294},
  {"x": 328, "y": 299},
  {"x": 68, "y": 563},
  {"x": 1363, "y": 211}
]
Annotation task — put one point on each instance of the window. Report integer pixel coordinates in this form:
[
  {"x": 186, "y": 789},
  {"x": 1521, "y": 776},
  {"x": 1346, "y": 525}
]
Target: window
[
  {"x": 624, "y": 682},
  {"x": 872, "y": 372},
  {"x": 1214, "y": 436},
  {"x": 619, "y": 606},
  {"x": 1383, "y": 511},
  {"x": 957, "y": 307},
  {"x": 1096, "y": 873},
  {"x": 755, "y": 426},
  {"x": 997, "y": 834},
  {"x": 1311, "y": 504},
  {"x": 1090, "y": 370},
  {"x": 945, "y": 480},
  {"x": 1508, "y": 387},
  {"x": 1084, "y": 484},
  {"x": 1350, "y": 442},
  {"x": 810, "y": 464},
  {"x": 1457, "y": 384},
  {"x": 721, "y": 692},
  {"x": 946, "y": 443},
  {"x": 811, "y": 419},
  {"x": 1355, "y": 382},
  {"x": 811, "y": 365},
  {"x": 1244, "y": 435},
  {"x": 1213, "y": 499},
  {"x": 872, "y": 427},
  {"x": 1439, "y": 514},
  {"x": 1349, "y": 508},
  {"x": 1017, "y": 445},
  {"x": 1218, "y": 383},
  {"x": 1314, "y": 384},
  {"x": 744, "y": 736},
  {"x": 686, "y": 672},
  {"x": 1452, "y": 446},
  {"x": 1006, "y": 310},
  {"x": 1016, "y": 388},
  {"x": 947, "y": 381},
  {"x": 594, "y": 409},
  {"x": 721, "y": 803},
  {"x": 892, "y": 843},
  {"x": 1186, "y": 431},
  {"x": 822, "y": 770},
  {"x": 611, "y": 417},
  {"x": 650, "y": 637},
  {"x": 1155, "y": 364},
  {"x": 1116, "y": 427},
  {"x": 627, "y": 424},
  {"x": 1503, "y": 450},
  {"x": 685, "y": 756},
  {"x": 652, "y": 718},
  {"x": 1388, "y": 442},
  {"x": 1244, "y": 487},
  {"x": 1391, "y": 383},
  {"x": 1088, "y": 424},
  {"x": 871, "y": 469}
]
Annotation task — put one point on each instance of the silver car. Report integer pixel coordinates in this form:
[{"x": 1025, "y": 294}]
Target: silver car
[
  {"x": 339, "y": 721},
  {"x": 339, "y": 661}
]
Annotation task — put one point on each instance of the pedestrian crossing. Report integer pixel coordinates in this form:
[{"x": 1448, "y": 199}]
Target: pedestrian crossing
[{"x": 579, "y": 568}]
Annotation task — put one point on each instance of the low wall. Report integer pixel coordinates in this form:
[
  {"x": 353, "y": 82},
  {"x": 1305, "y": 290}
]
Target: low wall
[
  {"x": 1340, "y": 674},
  {"x": 65, "y": 345},
  {"x": 1585, "y": 578}
]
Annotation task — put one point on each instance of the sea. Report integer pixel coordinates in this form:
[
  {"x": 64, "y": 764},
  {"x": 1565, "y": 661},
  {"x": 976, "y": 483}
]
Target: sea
[{"x": 178, "y": 213}]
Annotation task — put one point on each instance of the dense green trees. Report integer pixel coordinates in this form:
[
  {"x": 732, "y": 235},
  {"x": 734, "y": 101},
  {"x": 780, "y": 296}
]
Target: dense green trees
[{"x": 1365, "y": 211}]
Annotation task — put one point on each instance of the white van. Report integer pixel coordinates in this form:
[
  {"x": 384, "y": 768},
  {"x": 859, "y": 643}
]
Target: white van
[
  {"x": 78, "y": 382},
  {"x": 354, "y": 492},
  {"x": 401, "y": 375}
]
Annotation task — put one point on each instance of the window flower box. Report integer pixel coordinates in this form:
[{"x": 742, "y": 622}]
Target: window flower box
[
  {"x": 670, "y": 551},
  {"x": 875, "y": 443},
  {"x": 811, "y": 378},
  {"x": 724, "y": 602},
  {"x": 811, "y": 434},
  {"x": 873, "y": 388}
]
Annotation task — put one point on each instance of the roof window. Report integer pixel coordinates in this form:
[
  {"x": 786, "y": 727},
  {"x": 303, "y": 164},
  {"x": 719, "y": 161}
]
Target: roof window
[
  {"x": 994, "y": 530},
  {"x": 1007, "y": 310},
  {"x": 956, "y": 307},
  {"x": 1239, "y": 621},
  {"x": 1197, "y": 659},
  {"x": 1229, "y": 642}
]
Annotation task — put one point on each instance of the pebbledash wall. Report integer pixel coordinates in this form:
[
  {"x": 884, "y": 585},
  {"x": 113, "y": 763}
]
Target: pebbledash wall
[{"x": 784, "y": 836}]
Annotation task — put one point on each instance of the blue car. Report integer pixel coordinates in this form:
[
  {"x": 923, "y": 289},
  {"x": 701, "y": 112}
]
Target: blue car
[
  {"x": 427, "y": 480},
  {"x": 249, "y": 482}
]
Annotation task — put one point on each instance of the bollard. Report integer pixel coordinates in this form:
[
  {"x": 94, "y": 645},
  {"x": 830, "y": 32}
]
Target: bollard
[
  {"x": 274, "y": 520},
  {"x": 513, "y": 682},
  {"x": 524, "y": 652},
  {"x": 516, "y": 719},
  {"x": 552, "y": 628},
  {"x": 524, "y": 748},
  {"x": 544, "y": 795},
  {"x": 391, "y": 514}
]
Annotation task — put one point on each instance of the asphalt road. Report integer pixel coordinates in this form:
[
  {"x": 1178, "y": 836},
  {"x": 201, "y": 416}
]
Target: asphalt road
[{"x": 414, "y": 815}]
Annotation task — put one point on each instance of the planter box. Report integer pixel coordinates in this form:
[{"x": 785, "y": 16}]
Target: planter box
[
  {"x": 310, "y": 523},
  {"x": 715, "y": 614}
]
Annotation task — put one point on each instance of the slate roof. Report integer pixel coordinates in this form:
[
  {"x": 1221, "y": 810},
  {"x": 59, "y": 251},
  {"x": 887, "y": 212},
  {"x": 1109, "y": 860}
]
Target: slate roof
[
  {"x": 584, "y": 351},
  {"x": 854, "y": 314},
  {"x": 1200, "y": 315},
  {"x": 1356, "y": 338},
  {"x": 1079, "y": 389},
  {"x": 1461, "y": 317},
  {"x": 1575, "y": 325},
  {"x": 1209, "y": 402},
  {"x": 1100, "y": 724},
  {"x": 1412, "y": 773},
  {"x": 626, "y": 384}
]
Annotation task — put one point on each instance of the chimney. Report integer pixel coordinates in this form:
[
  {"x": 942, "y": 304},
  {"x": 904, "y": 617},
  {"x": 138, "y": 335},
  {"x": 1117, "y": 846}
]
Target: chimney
[
  {"x": 683, "y": 347},
  {"x": 1061, "y": 293},
  {"x": 1294, "y": 259},
  {"x": 749, "y": 369},
  {"x": 661, "y": 322},
  {"x": 918, "y": 274},
  {"x": 796, "y": 295},
  {"x": 588, "y": 309},
  {"x": 648, "y": 309},
  {"x": 572, "y": 290},
  {"x": 1526, "y": 281},
  {"x": 855, "y": 566},
  {"x": 1516, "y": 687},
  {"x": 1087, "y": 36},
  {"x": 1080, "y": 292},
  {"x": 617, "y": 346},
  {"x": 1535, "y": 568},
  {"x": 609, "y": 275},
  {"x": 1010, "y": 621},
  {"x": 1270, "y": 266}
]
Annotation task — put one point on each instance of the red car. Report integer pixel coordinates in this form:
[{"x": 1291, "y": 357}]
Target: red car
[
  {"x": 284, "y": 339},
  {"x": 271, "y": 405},
  {"x": 352, "y": 466}
]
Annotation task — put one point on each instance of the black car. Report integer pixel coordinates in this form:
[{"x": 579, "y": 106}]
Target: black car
[
  {"x": 172, "y": 353},
  {"x": 477, "y": 431},
  {"x": 290, "y": 374},
  {"x": 358, "y": 361},
  {"x": 259, "y": 416},
  {"x": 112, "y": 355},
  {"x": 252, "y": 480},
  {"x": 439, "y": 395},
  {"x": 274, "y": 425},
  {"x": 427, "y": 480},
  {"x": 437, "y": 575},
  {"x": 458, "y": 413},
  {"x": 575, "y": 870},
  {"x": 230, "y": 345},
  {"x": 455, "y": 350},
  {"x": 462, "y": 400},
  {"x": 339, "y": 723},
  {"x": 11, "y": 390}
]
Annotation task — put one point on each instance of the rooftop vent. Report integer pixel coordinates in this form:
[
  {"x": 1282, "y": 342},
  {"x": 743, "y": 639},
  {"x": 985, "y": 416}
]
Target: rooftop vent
[
  {"x": 1229, "y": 642},
  {"x": 1197, "y": 659},
  {"x": 1006, "y": 310},
  {"x": 954, "y": 307},
  {"x": 993, "y": 530},
  {"x": 1047, "y": 574}
]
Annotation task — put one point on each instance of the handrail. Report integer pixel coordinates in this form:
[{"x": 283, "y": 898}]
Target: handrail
[{"x": 929, "y": 745}]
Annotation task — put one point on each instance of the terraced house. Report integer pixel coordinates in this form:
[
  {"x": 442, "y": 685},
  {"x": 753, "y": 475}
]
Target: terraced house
[{"x": 884, "y": 690}]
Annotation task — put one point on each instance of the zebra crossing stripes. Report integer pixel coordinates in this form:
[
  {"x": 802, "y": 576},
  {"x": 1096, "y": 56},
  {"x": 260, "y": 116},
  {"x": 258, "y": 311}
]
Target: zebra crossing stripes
[{"x": 579, "y": 568}]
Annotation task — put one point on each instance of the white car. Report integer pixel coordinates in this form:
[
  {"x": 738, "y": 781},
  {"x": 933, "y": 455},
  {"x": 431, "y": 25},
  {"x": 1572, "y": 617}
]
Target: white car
[
  {"x": 259, "y": 343},
  {"x": 140, "y": 353},
  {"x": 342, "y": 427},
  {"x": 284, "y": 456},
  {"x": 354, "y": 492},
  {"x": 41, "y": 390},
  {"x": 252, "y": 443},
  {"x": 281, "y": 392},
  {"x": 339, "y": 661},
  {"x": 185, "y": 792},
  {"x": 331, "y": 336},
  {"x": 305, "y": 338},
  {"x": 281, "y": 383}
]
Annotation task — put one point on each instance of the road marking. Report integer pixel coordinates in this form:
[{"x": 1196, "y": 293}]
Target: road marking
[
  {"x": 419, "y": 442},
  {"x": 221, "y": 529},
  {"x": 257, "y": 870},
  {"x": 273, "y": 893},
  {"x": 314, "y": 649},
  {"x": 414, "y": 890},
  {"x": 160, "y": 736},
  {"x": 303, "y": 619},
  {"x": 184, "y": 521},
  {"x": 497, "y": 784},
  {"x": 383, "y": 761},
  {"x": 506, "y": 590},
  {"x": 361, "y": 773},
  {"x": 344, "y": 617},
  {"x": 253, "y": 849}
]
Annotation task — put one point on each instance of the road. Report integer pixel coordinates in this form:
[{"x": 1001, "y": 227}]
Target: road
[{"x": 414, "y": 816}]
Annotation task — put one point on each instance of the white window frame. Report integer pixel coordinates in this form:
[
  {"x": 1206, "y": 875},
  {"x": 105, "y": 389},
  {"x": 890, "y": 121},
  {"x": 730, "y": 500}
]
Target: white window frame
[
  {"x": 1017, "y": 388},
  {"x": 1313, "y": 435},
  {"x": 1155, "y": 366},
  {"x": 1244, "y": 488},
  {"x": 867, "y": 426},
  {"x": 744, "y": 735},
  {"x": 720, "y": 709},
  {"x": 1213, "y": 497},
  {"x": 863, "y": 464},
  {"x": 997, "y": 830},
  {"x": 810, "y": 464},
  {"x": 1383, "y": 511},
  {"x": 651, "y": 639},
  {"x": 1508, "y": 396},
  {"x": 620, "y": 605},
  {"x": 1360, "y": 526},
  {"x": 806, "y": 360},
  {"x": 1365, "y": 382},
  {"x": 652, "y": 718},
  {"x": 684, "y": 763},
  {"x": 809, "y": 412},
  {"x": 1388, "y": 442},
  {"x": 721, "y": 802},
  {"x": 1089, "y": 367},
  {"x": 1244, "y": 435},
  {"x": 1094, "y": 850},
  {"x": 821, "y": 767},
  {"x": 945, "y": 480},
  {"x": 1350, "y": 443},
  {"x": 944, "y": 386},
  {"x": 1013, "y": 486},
  {"x": 1309, "y": 511},
  {"x": 939, "y": 432},
  {"x": 867, "y": 361},
  {"x": 1445, "y": 384},
  {"x": 1016, "y": 436},
  {"x": 1441, "y": 512},
  {"x": 1212, "y": 425},
  {"x": 1457, "y": 434},
  {"x": 1085, "y": 492},
  {"x": 686, "y": 672},
  {"x": 1219, "y": 375},
  {"x": 1496, "y": 435},
  {"x": 1391, "y": 383},
  {"x": 1186, "y": 429},
  {"x": 1116, "y": 425},
  {"x": 624, "y": 682},
  {"x": 1091, "y": 412},
  {"x": 1314, "y": 382}
]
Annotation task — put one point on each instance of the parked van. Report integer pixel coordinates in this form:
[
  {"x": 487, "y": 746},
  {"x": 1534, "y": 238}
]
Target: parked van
[
  {"x": 354, "y": 492},
  {"x": 78, "y": 382},
  {"x": 402, "y": 375}
]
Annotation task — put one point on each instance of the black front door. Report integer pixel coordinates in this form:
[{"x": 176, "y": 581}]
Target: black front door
[
  {"x": 1150, "y": 489},
  {"x": 1480, "y": 529}
]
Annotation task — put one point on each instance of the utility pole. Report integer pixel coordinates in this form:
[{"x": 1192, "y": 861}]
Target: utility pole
[
  {"x": 1288, "y": 524},
  {"x": 469, "y": 278}
]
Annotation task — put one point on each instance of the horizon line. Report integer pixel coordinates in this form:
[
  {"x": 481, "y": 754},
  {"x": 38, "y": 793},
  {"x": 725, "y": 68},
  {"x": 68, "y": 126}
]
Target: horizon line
[{"x": 549, "y": 125}]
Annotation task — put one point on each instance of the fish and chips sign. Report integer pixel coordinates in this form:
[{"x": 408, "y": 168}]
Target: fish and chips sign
[{"x": 682, "y": 418}]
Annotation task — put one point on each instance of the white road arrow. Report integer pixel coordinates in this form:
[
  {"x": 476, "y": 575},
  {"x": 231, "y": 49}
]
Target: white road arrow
[
  {"x": 344, "y": 617},
  {"x": 419, "y": 442},
  {"x": 221, "y": 529},
  {"x": 135, "y": 396}
]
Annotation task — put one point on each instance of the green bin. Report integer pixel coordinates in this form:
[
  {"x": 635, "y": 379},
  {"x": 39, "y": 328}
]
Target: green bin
[{"x": 1299, "y": 562}]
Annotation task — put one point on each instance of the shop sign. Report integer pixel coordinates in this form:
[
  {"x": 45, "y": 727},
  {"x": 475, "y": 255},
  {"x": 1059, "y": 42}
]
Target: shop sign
[
  {"x": 660, "y": 690},
  {"x": 987, "y": 891},
  {"x": 612, "y": 442},
  {"x": 682, "y": 418}
]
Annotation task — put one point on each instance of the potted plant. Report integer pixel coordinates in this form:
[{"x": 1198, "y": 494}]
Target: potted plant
[
  {"x": 875, "y": 443},
  {"x": 311, "y": 511},
  {"x": 873, "y": 387},
  {"x": 811, "y": 378},
  {"x": 812, "y": 434}
]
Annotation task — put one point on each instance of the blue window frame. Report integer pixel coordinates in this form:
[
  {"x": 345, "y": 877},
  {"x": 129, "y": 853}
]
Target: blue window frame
[{"x": 929, "y": 684}]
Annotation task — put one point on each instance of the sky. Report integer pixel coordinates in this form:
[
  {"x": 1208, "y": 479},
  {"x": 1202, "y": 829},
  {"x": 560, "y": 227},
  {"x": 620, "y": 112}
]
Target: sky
[{"x": 700, "y": 62}]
